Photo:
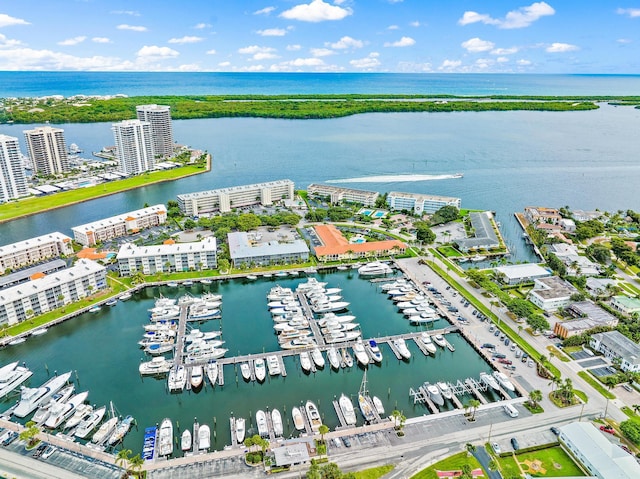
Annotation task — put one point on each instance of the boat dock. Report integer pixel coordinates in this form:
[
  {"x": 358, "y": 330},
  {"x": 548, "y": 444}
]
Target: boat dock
[
  {"x": 470, "y": 386},
  {"x": 343, "y": 422},
  {"x": 422, "y": 396},
  {"x": 421, "y": 347},
  {"x": 308, "y": 314},
  {"x": 307, "y": 421},
  {"x": 474, "y": 386},
  {"x": 232, "y": 428},
  {"x": 179, "y": 344},
  {"x": 395, "y": 351}
]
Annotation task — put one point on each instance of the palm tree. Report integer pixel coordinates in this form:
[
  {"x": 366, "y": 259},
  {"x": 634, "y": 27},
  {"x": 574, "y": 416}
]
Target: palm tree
[
  {"x": 30, "y": 434},
  {"x": 636, "y": 408},
  {"x": 123, "y": 458},
  {"x": 535, "y": 397},
  {"x": 136, "y": 463},
  {"x": 474, "y": 404},
  {"x": 556, "y": 381},
  {"x": 323, "y": 429},
  {"x": 398, "y": 419}
]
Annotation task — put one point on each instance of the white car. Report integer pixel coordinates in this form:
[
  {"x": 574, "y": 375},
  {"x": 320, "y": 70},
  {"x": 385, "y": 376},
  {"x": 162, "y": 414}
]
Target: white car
[{"x": 496, "y": 447}]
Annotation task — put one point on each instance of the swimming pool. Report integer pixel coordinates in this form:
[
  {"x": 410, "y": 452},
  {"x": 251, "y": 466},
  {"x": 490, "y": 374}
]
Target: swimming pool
[
  {"x": 357, "y": 240},
  {"x": 378, "y": 214},
  {"x": 365, "y": 212}
]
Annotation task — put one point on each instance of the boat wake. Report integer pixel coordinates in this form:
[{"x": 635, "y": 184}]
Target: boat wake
[{"x": 395, "y": 178}]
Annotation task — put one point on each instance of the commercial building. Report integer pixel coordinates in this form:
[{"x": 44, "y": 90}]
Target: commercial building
[
  {"x": 597, "y": 454},
  {"x": 614, "y": 344},
  {"x": 170, "y": 257},
  {"x": 420, "y": 204},
  {"x": 329, "y": 244},
  {"x": 225, "y": 199},
  {"x": 246, "y": 249},
  {"x": 521, "y": 273},
  {"x": 551, "y": 293},
  {"x": 625, "y": 304},
  {"x": 47, "y": 150},
  {"x": 48, "y": 292},
  {"x": 13, "y": 182},
  {"x": 588, "y": 316},
  {"x": 484, "y": 236},
  {"x": 134, "y": 146},
  {"x": 128, "y": 223},
  {"x": 34, "y": 250},
  {"x": 337, "y": 194},
  {"x": 159, "y": 118}
]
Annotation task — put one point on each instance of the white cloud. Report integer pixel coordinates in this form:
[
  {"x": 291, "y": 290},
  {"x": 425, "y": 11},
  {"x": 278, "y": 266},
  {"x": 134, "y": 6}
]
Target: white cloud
[
  {"x": 484, "y": 63},
  {"x": 475, "y": 45},
  {"x": 133, "y": 28},
  {"x": 125, "y": 12},
  {"x": 47, "y": 60},
  {"x": 561, "y": 48},
  {"x": 211, "y": 52},
  {"x": 154, "y": 52},
  {"x": 370, "y": 61},
  {"x": 186, "y": 39},
  {"x": 504, "y": 51},
  {"x": 630, "y": 12},
  {"x": 272, "y": 32},
  {"x": 224, "y": 64},
  {"x": 403, "y": 42},
  {"x": 264, "y": 11},
  {"x": 417, "y": 24},
  {"x": 502, "y": 59},
  {"x": 449, "y": 65},
  {"x": 623, "y": 41},
  {"x": 294, "y": 48},
  {"x": 395, "y": 1},
  {"x": 253, "y": 49},
  {"x": 412, "y": 67},
  {"x": 251, "y": 68},
  {"x": 523, "y": 17},
  {"x": 100, "y": 40},
  {"x": 393, "y": 27},
  {"x": 264, "y": 56},
  {"x": 7, "y": 21},
  {"x": 523, "y": 63},
  {"x": 321, "y": 52},
  {"x": 304, "y": 62},
  {"x": 345, "y": 43},
  {"x": 72, "y": 41},
  {"x": 8, "y": 42},
  {"x": 316, "y": 11},
  {"x": 202, "y": 26}
]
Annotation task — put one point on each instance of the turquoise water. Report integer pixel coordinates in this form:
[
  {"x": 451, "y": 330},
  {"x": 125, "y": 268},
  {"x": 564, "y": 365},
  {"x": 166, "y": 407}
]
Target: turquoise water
[
  {"x": 379, "y": 214},
  {"x": 101, "y": 348},
  {"x": 358, "y": 240}
]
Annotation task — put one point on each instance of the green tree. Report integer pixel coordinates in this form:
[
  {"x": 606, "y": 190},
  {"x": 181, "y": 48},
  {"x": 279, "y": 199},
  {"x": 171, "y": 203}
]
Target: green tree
[
  {"x": 189, "y": 224},
  {"x": 323, "y": 429},
  {"x": 474, "y": 404},
  {"x": 223, "y": 265},
  {"x": 30, "y": 434},
  {"x": 248, "y": 221},
  {"x": 123, "y": 457},
  {"x": 444, "y": 215},
  {"x": 423, "y": 232},
  {"x": 631, "y": 430},
  {"x": 398, "y": 419},
  {"x": 136, "y": 463},
  {"x": 535, "y": 397}
]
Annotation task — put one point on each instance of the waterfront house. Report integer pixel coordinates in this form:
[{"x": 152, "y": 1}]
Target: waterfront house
[
  {"x": 336, "y": 194},
  {"x": 34, "y": 250}
]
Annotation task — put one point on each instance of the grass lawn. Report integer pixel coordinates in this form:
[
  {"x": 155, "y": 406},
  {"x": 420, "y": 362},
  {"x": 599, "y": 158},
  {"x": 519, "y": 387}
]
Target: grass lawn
[
  {"x": 558, "y": 354},
  {"x": 449, "y": 252},
  {"x": 508, "y": 467},
  {"x": 374, "y": 472},
  {"x": 596, "y": 385},
  {"x": 554, "y": 462},
  {"x": 572, "y": 349},
  {"x": 452, "y": 463}
]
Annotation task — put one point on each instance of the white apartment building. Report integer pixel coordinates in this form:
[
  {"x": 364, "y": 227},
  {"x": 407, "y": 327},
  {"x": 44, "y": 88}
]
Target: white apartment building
[
  {"x": 614, "y": 344},
  {"x": 51, "y": 291},
  {"x": 159, "y": 117},
  {"x": 552, "y": 293},
  {"x": 225, "y": 199},
  {"x": 47, "y": 150},
  {"x": 128, "y": 223},
  {"x": 337, "y": 194},
  {"x": 134, "y": 146},
  {"x": 33, "y": 250},
  {"x": 246, "y": 251},
  {"x": 167, "y": 258},
  {"x": 13, "y": 182},
  {"x": 420, "y": 204}
]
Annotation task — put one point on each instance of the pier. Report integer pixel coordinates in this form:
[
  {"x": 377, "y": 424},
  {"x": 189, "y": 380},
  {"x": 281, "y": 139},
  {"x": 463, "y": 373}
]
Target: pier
[
  {"x": 338, "y": 410},
  {"x": 474, "y": 386},
  {"x": 422, "y": 396},
  {"x": 308, "y": 314}
]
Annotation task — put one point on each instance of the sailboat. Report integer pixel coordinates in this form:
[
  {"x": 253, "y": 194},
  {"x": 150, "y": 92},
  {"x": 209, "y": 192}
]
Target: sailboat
[{"x": 364, "y": 401}]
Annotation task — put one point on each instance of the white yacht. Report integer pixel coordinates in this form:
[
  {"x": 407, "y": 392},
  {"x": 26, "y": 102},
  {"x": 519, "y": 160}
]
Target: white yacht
[
  {"x": 197, "y": 376},
  {"x": 504, "y": 380},
  {"x": 305, "y": 361},
  {"x": 374, "y": 268},
  {"x": 44, "y": 410},
  {"x": 401, "y": 346},
  {"x": 341, "y": 336},
  {"x": 439, "y": 340},
  {"x": 377, "y": 403},
  {"x": 489, "y": 380},
  {"x": 273, "y": 365},
  {"x": 125, "y": 297},
  {"x": 240, "y": 430},
  {"x": 298, "y": 420},
  {"x": 185, "y": 440},
  {"x": 333, "y": 357},
  {"x": 445, "y": 390},
  {"x": 13, "y": 378},
  {"x": 434, "y": 394},
  {"x": 347, "y": 359},
  {"x": 298, "y": 343},
  {"x": 276, "y": 420},
  {"x": 177, "y": 378},
  {"x": 318, "y": 358},
  {"x": 346, "y": 406},
  {"x": 261, "y": 423},
  {"x": 313, "y": 415},
  {"x": 121, "y": 430},
  {"x": 360, "y": 353},
  {"x": 89, "y": 424},
  {"x": 157, "y": 366},
  {"x": 365, "y": 408},
  {"x": 245, "y": 371},
  {"x": 374, "y": 351},
  {"x": 260, "y": 369},
  {"x": 62, "y": 411},
  {"x": 82, "y": 412},
  {"x": 328, "y": 306},
  {"x": 106, "y": 429},
  {"x": 212, "y": 370},
  {"x": 425, "y": 338},
  {"x": 165, "y": 438},
  {"x": 204, "y": 437},
  {"x": 31, "y": 398}
]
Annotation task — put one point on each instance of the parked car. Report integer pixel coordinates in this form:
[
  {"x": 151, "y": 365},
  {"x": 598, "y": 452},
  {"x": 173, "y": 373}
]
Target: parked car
[
  {"x": 513, "y": 348},
  {"x": 498, "y": 355},
  {"x": 507, "y": 341},
  {"x": 504, "y": 361},
  {"x": 496, "y": 447},
  {"x": 489, "y": 346},
  {"x": 514, "y": 443},
  {"x": 607, "y": 428},
  {"x": 525, "y": 356},
  {"x": 497, "y": 333},
  {"x": 555, "y": 430},
  {"x": 10, "y": 438},
  {"x": 492, "y": 328},
  {"x": 510, "y": 367},
  {"x": 48, "y": 451}
]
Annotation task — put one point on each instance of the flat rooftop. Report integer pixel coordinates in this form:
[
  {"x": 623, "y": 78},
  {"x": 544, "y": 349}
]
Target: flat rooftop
[{"x": 528, "y": 270}]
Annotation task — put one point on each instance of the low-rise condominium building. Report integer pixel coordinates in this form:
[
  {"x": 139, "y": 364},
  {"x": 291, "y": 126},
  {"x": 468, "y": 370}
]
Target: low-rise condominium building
[
  {"x": 616, "y": 346},
  {"x": 34, "y": 250},
  {"x": 552, "y": 293},
  {"x": 336, "y": 194},
  {"x": 246, "y": 251},
  {"x": 330, "y": 244},
  {"x": 484, "y": 236},
  {"x": 420, "y": 204}
]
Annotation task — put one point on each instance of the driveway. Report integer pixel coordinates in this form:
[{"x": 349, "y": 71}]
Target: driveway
[{"x": 484, "y": 459}]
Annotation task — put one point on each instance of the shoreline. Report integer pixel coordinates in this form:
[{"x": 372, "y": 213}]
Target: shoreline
[{"x": 103, "y": 195}]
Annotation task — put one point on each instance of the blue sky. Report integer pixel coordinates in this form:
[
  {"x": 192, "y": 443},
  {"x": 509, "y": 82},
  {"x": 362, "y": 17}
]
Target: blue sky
[{"x": 451, "y": 36}]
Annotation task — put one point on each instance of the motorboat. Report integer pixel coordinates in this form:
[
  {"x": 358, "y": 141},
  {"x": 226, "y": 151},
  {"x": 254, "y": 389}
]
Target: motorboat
[
  {"x": 17, "y": 341},
  {"x": 401, "y": 346},
  {"x": 298, "y": 420},
  {"x": 333, "y": 328},
  {"x": 157, "y": 366},
  {"x": 346, "y": 406},
  {"x": 125, "y": 297},
  {"x": 154, "y": 349},
  {"x": 361, "y": 354},
  {"x": 318, "y": 358},
  {"x": 204, "y": 437},
  {"x": 245, "y": 370},
  {"x": 240, "y": 430},
  {"x": 310, "y": 284},
  {"x": 39, "y": 331},
  {"x": 105, "y": 430},
  {"x": 7, "y": 369},
  {"x": 290, "y": 335},
  {"x": 197, "y": 377},
  {"x": 422, "y": 318},
  {"x": 340, "y": 318},
  {"x": 504, "y": 381},
  {"x": 333, "y": 357},
  {"x": 273, "y": 365},
  {"x": 185, "y": 440},
  {"x": 43, "y": 412},
  {"x": 205, "y": 353},
  {"x": 62, "y": 411},
  {"x": 11, "y": 379},
  {"x": 425, "y": 338},
  {"x": 374, "y": 268},
  {"x": 327, "y": 306},
  {"x": 196, "y": 335},
  {"x": 374, "y": 351},
  {"x": 341, "y": 336},
  {"x": 121, "y": 430},
  {"x": 313, "y": 415},
  {"x": 399, "y": 283},
  {"x": 261, "y": 423},
  {"x": 206, "y": 281},
  {"x": 445, "y": 390},
  {"x": 31, "y": 398},
  {"x": 165, "y": 438},
  {"x": 439, "y": 340},
  {"x": 434, "y": 394},
  {"x": 172, "y": 284},
  {"x": 89, "y": 424},
  {"x": 298, "y": 343},
  {"x": 276, "y": 421},
  {"x": 95, "y": 309},
  {"x": 187, "y": 283},
  {"x": 377, "y": 403},
  {"x": 260, "y": 369},
  {"x": 305, "y": 361},
  {"x": 111, "y": 302},
  {"x": 177, "y": 378},
  {"x": 347, "y": 359},
  {"x": 212, "y": 372},
  {"x": 489, "y": 380},
  {"x": 82, "y": 412},
  {"x": 161, "y": 326},
  {"x": 251, "y": 277}
]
